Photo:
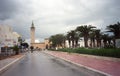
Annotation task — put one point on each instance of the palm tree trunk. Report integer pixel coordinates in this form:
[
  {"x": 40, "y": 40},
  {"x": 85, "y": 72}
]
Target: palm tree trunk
[
  {"x": 64, "y": 44},
  {"x": 72, "y": 43},
  {"x": 93, "y": 42},
  {"x": 69, "y": 43},
  {"x": 86, "y": 41},
  {"x": 76, "y": 43},
  {"x": 98, "y": 43}
]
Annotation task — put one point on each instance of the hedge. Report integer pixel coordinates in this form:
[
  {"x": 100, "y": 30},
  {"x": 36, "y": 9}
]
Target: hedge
[{"x": 98, "y": 52}]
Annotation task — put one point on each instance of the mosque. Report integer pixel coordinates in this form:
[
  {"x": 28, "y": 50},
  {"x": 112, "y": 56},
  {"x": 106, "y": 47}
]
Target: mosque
[{"x": 42, "y": 45}]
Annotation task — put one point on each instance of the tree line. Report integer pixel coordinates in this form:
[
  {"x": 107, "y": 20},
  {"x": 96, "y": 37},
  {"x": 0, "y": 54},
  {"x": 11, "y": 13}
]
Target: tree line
[{"x": 88, "y": 32}]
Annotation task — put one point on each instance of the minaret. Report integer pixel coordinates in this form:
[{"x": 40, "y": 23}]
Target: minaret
[{"x": 32, "y": 29}]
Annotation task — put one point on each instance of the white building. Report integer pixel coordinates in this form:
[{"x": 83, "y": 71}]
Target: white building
[
  {"x": 7, "y": 36},
  {"x": 80, "y": 43}
]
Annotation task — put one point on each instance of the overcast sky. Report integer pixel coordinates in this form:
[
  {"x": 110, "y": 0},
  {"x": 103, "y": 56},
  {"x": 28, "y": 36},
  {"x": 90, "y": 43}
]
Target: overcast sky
[{"x": 57, "y": 16}]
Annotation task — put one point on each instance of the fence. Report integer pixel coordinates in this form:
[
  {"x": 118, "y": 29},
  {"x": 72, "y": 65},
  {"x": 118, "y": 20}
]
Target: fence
[{"x": 6, "y": 52}]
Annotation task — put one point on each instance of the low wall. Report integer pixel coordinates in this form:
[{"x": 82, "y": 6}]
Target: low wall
[{"x": 39, "y": 45}]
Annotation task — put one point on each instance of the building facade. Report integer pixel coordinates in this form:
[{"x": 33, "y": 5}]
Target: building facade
[{"x": 8, "y": 38}]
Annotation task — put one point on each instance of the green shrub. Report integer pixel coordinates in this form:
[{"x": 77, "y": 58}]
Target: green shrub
[
  {"x": 99, "y": 52},
  {"x": 16, "y": 49}
]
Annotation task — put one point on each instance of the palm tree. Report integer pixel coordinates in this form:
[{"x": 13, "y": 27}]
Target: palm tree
[
  {"x": 95, "y": 34},
  {"x": 105, "y": 38},
  {"x": 98, "y": 36},
  {"x": 77, "y": 36},
  {"x": 115, "y": 28},
  {"x": 64, "y": 40},
  {"x": 92, "y": 38},
  {"x": 72, "y": 35},
  {"x": 68, "y": 36},
  {"x": 57, "y": 40},
  {"x": 85, "y": 30}
]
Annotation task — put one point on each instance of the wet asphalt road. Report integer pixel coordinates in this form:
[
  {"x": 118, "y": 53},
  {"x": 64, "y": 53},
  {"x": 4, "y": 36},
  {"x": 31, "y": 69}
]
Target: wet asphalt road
[{"x": 41, "y": 64}]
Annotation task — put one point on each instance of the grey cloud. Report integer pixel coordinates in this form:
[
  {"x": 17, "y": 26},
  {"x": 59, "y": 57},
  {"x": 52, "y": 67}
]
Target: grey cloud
[
  {"x": 8, "y": 9},
  {"x": 20, "y": 13}
]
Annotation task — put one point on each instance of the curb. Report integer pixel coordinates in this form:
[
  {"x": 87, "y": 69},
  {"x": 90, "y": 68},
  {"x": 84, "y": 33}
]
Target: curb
[
  {"x": 10, "y": 64},
  {"x": 100, "y": 73}
]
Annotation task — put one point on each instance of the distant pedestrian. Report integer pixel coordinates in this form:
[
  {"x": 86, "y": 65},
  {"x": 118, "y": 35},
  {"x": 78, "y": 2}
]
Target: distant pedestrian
[{"x": 31, "y": 47}]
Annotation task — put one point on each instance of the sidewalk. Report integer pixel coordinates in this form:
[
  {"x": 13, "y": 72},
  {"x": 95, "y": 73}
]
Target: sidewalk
[
  {"x": 5, "y": 63},
  {"x": 105, "y": 65}
]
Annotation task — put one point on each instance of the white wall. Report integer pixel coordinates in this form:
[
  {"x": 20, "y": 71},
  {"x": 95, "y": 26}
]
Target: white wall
[
  {"x": 117, "y": 43},
  {"x": 7, "y": 37}
]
